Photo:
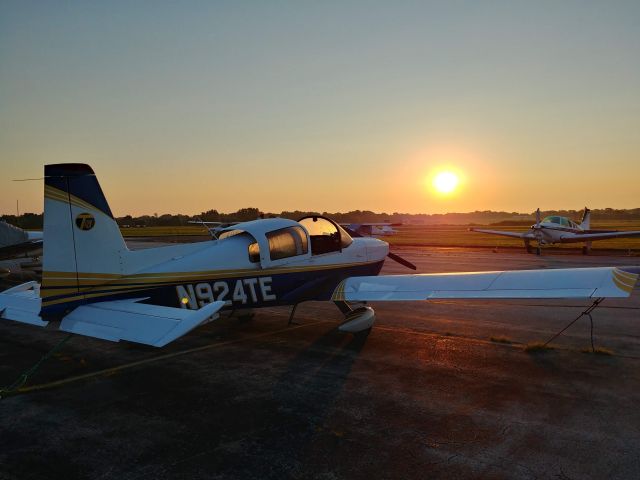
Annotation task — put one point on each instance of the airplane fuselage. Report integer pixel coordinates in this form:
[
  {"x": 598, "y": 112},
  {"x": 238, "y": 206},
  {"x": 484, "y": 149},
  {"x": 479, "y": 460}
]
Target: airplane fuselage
[
  {"x": 549, "y": 233},
  {"x": 190, "y": 276}
]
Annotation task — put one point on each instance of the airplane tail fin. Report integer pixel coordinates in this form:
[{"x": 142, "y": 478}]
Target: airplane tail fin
[
  {"x": 586, "y": 219},
  {"x": 81, "y": 237}
]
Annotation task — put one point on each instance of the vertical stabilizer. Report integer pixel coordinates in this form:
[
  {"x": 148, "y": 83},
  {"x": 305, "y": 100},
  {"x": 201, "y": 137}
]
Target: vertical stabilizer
[
  {"x": 82, "y": 241},
  {"x": 586, "y": 219}
]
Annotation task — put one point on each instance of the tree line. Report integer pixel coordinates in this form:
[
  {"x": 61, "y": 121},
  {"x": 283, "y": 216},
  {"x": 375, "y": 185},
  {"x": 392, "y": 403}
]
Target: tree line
[{"x": 34, "y": 220}]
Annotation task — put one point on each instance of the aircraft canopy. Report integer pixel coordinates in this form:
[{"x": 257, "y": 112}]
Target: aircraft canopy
[{"x": 564, "y": 221}]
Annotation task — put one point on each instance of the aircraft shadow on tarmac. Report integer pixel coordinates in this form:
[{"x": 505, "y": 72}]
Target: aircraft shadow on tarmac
[{"x": 306, "y": 392}]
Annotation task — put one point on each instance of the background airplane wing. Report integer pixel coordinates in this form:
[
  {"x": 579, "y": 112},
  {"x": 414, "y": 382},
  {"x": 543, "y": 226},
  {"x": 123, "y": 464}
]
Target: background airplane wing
[
  {"x": 372, "y": 224},
  {"x": 598, "y": 236},
  {"x": 559, "y": 283},
  {"x": 35, "y": 236},
  {"x": 505, "y": 234}
]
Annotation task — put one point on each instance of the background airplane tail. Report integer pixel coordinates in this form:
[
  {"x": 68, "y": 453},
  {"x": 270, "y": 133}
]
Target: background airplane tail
[
  {"x": 82, "y": 241},
  {"x": 586, "y": 219}
]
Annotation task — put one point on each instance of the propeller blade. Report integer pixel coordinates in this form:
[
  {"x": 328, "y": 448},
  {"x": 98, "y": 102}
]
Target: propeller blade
[
  {"x": 538, "y": 218},
  {"x": 401, "y": 261}
]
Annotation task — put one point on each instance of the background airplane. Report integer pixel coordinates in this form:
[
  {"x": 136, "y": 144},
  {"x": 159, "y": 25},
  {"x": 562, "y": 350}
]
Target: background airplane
[
  {"x": 375, "y": 229},
  {"x": 95, "y": 286},
  {"x": 557, "y": 229},
  {"x": 20, "y": 253}
]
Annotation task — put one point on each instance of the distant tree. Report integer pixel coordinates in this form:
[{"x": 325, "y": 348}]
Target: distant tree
[{"x": 26, "y": 220}]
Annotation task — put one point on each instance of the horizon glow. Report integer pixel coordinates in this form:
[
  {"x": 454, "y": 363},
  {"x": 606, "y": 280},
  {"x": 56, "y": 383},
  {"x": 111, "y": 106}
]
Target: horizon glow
[{"x": 190, "y": 106}]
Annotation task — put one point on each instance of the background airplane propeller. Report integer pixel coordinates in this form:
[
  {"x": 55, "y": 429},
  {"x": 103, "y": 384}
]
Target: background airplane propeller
[{"x": 537, "y": 228}]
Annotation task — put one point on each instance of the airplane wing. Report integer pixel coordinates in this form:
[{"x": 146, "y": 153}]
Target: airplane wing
[
  {"x": 525, "y": 235},
  {"x": 113, "y": 320},
  {"x": 35, "y": 236},
  {"x": 598, "y": 236},
  {"x": 561, "y": 283},
  {"x": 142, "y": 323},
  {"x": 14, "y": 240}
]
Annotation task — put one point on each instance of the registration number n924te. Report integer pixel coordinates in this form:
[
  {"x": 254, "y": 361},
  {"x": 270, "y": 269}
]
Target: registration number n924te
[{"x": 242, "y": 291}]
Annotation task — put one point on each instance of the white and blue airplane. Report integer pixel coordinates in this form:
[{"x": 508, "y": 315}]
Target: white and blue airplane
[
  {"x": 93, "y": 285},
  {"x": 20, "y": 253},
  {"x": 558, "y": 229},
  {"x": 14, "y": 240}
]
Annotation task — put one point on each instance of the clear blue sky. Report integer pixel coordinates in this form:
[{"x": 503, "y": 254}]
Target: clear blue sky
[{"x": 338, "y": 105}]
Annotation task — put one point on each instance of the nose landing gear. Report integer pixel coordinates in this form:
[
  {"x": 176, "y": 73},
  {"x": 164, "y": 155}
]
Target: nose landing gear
[{"x": 358, "y": 320}]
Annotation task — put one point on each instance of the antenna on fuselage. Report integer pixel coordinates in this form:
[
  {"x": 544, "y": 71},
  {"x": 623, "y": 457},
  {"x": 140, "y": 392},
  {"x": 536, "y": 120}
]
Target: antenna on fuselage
[{"x": 212, "y": 231}]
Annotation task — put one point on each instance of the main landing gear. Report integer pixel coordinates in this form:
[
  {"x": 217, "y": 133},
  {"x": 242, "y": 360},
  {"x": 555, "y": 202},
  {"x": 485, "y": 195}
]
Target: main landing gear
[{"x": 527, "y": 246}]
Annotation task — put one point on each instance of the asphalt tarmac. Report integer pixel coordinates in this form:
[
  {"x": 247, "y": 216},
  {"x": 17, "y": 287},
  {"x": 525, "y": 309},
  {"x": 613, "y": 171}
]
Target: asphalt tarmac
[{"x": 437, "y": 389}]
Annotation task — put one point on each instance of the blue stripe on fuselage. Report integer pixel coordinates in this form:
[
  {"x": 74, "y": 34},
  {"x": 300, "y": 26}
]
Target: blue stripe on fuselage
[{"x": 273, "y": 289}]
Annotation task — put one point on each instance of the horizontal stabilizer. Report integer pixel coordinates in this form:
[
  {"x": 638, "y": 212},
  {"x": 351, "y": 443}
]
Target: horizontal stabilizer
[
  {"x": 561, "y": 283},
  {"x": 136, "y": 322},
  {"x": 22, "y": 304}
]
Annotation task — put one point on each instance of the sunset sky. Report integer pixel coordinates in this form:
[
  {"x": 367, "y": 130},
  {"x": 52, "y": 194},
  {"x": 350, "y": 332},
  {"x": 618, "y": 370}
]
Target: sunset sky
[{"x": 182, "y": 107}]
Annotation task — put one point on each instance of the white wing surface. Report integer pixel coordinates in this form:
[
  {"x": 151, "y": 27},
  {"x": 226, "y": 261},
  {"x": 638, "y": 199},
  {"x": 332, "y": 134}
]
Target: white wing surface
[
  {"x": 561, "y": 283},
  {"x": 137, "y": 322},
  {"x": 22, "y": 304},
  {"x": 504, "y": 233},
  {"x": 581, "y": 237}
]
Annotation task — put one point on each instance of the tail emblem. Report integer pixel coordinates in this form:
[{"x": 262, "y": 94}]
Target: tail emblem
[{"x": 85, "y": 221}]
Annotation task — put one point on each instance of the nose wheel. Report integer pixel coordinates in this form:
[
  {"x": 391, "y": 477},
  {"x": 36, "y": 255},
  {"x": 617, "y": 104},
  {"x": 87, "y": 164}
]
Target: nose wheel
[{"x": 358, "y": 320}]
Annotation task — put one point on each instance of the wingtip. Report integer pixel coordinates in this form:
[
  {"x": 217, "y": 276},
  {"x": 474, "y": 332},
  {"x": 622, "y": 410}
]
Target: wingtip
[{"x": 625, "y": 279}]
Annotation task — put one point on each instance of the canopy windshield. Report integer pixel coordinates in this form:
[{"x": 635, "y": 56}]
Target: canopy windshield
[
  {"x": 326, "y": 236},
  {"x": 558, "y": 220}
]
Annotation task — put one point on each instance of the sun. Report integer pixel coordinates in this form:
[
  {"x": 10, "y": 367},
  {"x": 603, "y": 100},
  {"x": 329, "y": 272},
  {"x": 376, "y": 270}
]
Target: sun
[{"x": 445, "y": 182}]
